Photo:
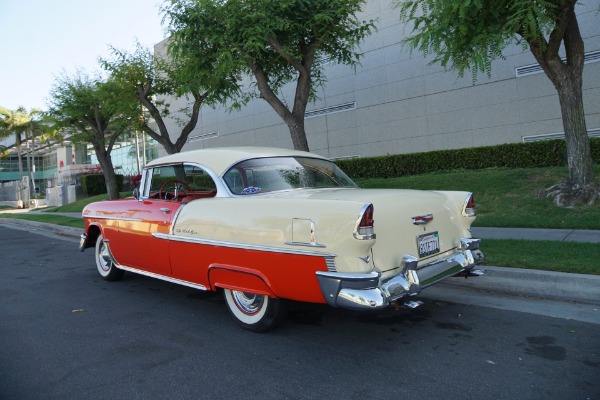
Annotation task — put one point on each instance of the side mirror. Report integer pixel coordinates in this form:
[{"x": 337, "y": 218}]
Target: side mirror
[{"x": 136, "y": 193}]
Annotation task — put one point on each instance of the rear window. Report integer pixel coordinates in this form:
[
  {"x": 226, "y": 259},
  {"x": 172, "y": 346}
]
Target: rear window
[{"x": 264, "y": 175}]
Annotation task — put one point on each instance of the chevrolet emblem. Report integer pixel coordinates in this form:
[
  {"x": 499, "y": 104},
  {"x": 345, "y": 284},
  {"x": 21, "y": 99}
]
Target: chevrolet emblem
[{"x": 422, "y": 219}]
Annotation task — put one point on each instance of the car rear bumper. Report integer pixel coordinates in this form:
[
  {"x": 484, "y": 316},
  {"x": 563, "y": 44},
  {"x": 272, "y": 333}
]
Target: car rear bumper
[{"x": 370, "y": 292}]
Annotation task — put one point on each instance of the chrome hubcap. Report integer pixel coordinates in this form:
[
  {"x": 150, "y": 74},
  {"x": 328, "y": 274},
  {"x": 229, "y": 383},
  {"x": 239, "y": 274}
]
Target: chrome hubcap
[
  {"x": 104, "y": 258},
  {"x": 248, "y": 303}
]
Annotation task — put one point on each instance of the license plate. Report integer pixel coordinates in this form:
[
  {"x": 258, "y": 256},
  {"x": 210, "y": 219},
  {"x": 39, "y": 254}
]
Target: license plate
[{"x": 429, "y": 244}]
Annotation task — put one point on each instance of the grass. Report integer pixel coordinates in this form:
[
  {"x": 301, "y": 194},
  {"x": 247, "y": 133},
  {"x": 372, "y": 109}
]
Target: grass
[
  {"x": 505, "y": 197},
  {"x": 580, "y": 258},
  {"x": 78, "y": 206},
  {"x": 51, "y": 219}
]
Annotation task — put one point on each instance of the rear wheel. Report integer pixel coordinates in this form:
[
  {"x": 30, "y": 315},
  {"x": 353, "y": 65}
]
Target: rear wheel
[
  {"x": 255, "y": 312},
  {"x": 104, "y": 263}
]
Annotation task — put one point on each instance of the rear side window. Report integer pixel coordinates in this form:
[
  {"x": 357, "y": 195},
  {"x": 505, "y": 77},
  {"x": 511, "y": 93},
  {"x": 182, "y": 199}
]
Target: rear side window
[{"x": 264, "y": 175}]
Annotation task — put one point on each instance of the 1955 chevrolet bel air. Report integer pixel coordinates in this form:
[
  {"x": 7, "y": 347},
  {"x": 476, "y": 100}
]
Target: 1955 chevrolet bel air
[{"x": 266, "y": 225}]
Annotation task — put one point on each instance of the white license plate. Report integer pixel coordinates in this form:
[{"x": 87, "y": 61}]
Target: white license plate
[{"x": 429, "y": 244}]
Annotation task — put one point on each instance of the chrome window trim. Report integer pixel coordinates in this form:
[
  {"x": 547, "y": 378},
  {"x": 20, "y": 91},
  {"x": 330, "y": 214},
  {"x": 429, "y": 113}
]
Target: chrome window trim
[
  {"x": 233, "y": 195},
  {"x": 222, "y": 189},
  {"x": 244, "y": 246}
]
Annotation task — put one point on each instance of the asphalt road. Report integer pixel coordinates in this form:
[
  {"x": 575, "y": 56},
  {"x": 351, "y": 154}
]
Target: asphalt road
[{"x": 67, "y": 334}]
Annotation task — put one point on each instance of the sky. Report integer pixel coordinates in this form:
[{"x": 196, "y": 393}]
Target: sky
[{"x": 43, "y": 38}]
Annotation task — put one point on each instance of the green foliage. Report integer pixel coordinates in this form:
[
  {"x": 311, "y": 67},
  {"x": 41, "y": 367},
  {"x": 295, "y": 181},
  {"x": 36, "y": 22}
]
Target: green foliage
[
  {"x": 148, "y": 80},
  {"x": 514, "y": 155},
  {"x": 469, "y": 35},
  {"x": 95, "y": 184},
  {"x": 577, "y": 258},
  {"x": 90, "y": 107},
  {"x": 49, "y": 219},
  {"x": 78, "y": 205},
  {"x": 281, "y": 38},
  {"x": 504, "y": 197}
]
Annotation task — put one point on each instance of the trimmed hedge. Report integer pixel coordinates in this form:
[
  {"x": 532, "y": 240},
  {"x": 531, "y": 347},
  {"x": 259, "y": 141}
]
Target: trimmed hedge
[
  {"x": 544, "y": 153},
  {"x": 94, "y": 184}
]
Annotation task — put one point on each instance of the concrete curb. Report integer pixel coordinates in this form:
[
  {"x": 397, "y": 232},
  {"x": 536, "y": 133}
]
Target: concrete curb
[
  {"x": 43, "y": 228},
  {"x": 534, "y": 283}
]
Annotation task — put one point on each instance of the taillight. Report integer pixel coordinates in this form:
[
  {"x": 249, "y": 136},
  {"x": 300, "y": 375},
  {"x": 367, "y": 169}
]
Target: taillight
[
  {"x": 469, "y": 210},
  {"x": 365, "y": 228}
]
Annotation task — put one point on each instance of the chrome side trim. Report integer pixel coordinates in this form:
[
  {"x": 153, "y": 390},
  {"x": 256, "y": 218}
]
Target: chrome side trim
[
  {"x": 151, "y": 274},
  {"x": 113, "y": 218},
  {"x": 330, "y": 262},
  {"x": 163, "y": 278},
  {"x": 305, "y": 244},
  {"x": 174, "y": 219},
  {"x": 244, "y": 246}
]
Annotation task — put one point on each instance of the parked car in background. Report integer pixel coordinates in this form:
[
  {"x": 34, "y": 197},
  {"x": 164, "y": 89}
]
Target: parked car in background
[{"x": 265, "y": 225}]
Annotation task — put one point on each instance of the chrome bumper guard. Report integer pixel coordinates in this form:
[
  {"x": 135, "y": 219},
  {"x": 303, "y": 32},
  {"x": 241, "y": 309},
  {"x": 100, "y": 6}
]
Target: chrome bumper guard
[
  {"x": 82, "y": 242},
  {"x": 369, "y": 292}
]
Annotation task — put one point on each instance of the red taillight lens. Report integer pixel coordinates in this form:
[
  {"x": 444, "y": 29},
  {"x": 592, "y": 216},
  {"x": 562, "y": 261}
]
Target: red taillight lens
[
  {"x": 470, "y": 206},
  {"x": 365, "y": 228},
  {"x": 367, "y": 218}
]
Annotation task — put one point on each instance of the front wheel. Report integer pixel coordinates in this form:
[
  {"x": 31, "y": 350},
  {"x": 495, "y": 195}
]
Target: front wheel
[
  {"x": 104, "y": 263},
  {"x": 255, "y": 312}
]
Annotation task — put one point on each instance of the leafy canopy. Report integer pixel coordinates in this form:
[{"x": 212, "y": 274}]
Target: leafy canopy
[
  {"x": 284, "y": 37},
  {"x": 90, "y": 105},
  {"x": 470, "y": 34}
]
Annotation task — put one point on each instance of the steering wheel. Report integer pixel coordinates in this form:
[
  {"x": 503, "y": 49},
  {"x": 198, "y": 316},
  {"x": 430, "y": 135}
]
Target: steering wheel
[{"x": 164, "y": 194}]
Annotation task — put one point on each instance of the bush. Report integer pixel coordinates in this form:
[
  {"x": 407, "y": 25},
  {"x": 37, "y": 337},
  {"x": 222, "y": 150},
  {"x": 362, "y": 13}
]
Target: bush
[
  {"x": 545, "y": 153},
  {"x": 94, "y": 184}
]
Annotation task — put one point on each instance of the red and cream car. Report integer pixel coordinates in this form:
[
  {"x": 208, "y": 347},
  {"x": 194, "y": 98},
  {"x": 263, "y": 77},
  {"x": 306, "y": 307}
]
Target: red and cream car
[{"x": 267, "y": 225}]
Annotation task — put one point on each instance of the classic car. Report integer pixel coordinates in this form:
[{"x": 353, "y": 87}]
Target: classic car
[{"x": 266, "y": 225}]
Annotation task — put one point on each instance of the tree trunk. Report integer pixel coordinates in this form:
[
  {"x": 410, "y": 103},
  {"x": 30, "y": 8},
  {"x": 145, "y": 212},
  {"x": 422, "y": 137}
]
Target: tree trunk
[
  {"x": 110, "y": 178},
  {"x": 579, "y": 158},
  {"x": 297, "y": 132},
  {"x": 567, "y": 79},
  {"x": 294, "y": 121}
]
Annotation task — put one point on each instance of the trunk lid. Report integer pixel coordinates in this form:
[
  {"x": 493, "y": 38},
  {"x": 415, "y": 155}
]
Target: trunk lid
[{"x": 423, "y": 224}]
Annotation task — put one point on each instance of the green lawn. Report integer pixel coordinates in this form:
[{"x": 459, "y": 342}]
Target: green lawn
[
  {"x": 505, "y": 197},
  {"x": 48, "y": 218},
  {"x": 581, "y": 258}
]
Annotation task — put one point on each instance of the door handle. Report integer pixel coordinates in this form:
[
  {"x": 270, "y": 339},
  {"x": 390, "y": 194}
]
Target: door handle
[{"x": 165, "y": 210}]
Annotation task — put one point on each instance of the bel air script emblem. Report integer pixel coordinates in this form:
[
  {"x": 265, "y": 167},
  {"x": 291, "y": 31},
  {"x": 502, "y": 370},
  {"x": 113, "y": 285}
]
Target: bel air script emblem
[{"x": 422, "y": 219}]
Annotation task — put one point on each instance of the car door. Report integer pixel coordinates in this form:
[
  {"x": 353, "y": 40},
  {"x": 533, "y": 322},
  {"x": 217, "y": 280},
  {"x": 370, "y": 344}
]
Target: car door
[{"x": 153, "y": 213}]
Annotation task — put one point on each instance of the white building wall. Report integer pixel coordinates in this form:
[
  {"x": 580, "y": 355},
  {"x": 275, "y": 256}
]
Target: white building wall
[{"x": 405, "y": 105}]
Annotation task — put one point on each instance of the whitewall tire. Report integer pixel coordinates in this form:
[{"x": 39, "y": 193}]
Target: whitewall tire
[
  {"x": 258, "y": 313},
  {"x": 104, "y": 263}
]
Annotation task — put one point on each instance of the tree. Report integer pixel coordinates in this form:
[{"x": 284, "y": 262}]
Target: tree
[
  {"x": 92, "y": 109},
  {"x": 149, "y": 79},
  {"x": 469, "y": 35},
  {"x": 275, "y": 41},
  {"x": 19, "y": 122}
]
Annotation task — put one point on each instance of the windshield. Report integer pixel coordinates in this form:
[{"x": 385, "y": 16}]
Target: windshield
[{"x": 264, "y": 175}]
